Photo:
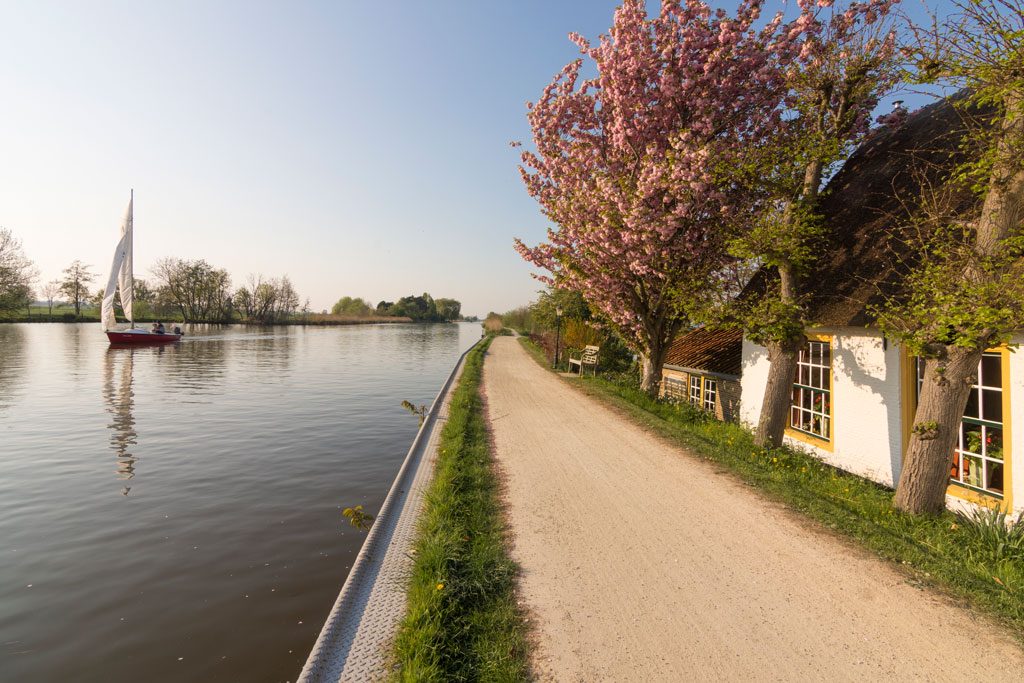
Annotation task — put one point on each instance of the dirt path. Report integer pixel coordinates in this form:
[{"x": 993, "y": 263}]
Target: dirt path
[{"x": 641, "y": 563}]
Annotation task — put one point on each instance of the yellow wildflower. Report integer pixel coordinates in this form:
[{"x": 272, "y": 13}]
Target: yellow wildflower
[{"x": 440, "y": 586}]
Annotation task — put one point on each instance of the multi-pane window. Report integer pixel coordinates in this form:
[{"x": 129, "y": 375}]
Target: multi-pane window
[
  {"x": 978, "y": 458},
  {"x": 695, "y": 389},
  {"x": 710, "y": 395},
  {"x": 673, "y": 387},
  {"x": 811, "y": 405}
]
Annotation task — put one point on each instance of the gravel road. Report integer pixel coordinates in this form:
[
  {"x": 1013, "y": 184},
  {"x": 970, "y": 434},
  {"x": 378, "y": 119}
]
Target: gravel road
[{"x": 642, "y": 563}]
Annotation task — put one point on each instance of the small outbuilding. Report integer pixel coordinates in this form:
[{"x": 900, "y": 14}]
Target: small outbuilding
[{"x": 702, "y": 367}]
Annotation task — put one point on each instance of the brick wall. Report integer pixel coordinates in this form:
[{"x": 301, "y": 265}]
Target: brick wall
[{"x": 675, "y": 384}]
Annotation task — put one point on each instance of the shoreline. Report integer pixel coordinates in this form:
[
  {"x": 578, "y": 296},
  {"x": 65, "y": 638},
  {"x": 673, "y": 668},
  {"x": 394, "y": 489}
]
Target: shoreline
[{"x": 310, "y": 323}]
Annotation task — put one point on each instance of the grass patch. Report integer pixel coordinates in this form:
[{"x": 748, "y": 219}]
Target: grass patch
[
  {"x": 462, "y": 622},
  {"x": 970, "y": 558}
]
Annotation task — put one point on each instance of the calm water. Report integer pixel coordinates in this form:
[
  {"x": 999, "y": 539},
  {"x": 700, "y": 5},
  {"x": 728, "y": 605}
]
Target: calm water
[{"x": 173, "y": 513}]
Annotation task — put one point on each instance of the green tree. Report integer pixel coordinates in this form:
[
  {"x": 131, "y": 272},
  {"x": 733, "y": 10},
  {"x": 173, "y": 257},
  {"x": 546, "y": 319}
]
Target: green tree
[
  {"x": 448, "y": 309},
  {"x": 965, "y": 283},
  {"x": 75, "y": 285},
  {"x": 355, "y": 307},
  {"x": 418, "y": 308},
  {"x": 848, "y": 61},
  {"x": 551, "y": 300},
  {"x": 16, "y": 274}
]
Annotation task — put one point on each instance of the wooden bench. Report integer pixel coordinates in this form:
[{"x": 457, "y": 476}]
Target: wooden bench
[{"x": 589, "y": 357}]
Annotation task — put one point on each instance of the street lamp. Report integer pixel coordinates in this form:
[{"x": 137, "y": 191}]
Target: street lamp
[{"x": 558, "y": 332}]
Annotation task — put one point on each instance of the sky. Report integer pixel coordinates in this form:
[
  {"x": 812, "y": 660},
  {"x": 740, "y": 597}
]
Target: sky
[{"x": 361, "y": 148}]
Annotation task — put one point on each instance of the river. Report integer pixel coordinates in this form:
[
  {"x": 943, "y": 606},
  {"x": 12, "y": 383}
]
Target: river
[{"x": 174, "y": 513}]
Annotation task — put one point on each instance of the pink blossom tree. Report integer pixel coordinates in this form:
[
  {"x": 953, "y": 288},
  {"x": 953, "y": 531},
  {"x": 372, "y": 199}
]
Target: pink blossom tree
[{"x": 624, "y": 163}]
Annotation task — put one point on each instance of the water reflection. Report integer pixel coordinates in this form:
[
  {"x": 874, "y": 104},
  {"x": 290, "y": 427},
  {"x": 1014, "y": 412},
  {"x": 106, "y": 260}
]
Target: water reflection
[
  {"x": 118, "y": 378},
  {"x": 12, "y": 362}
]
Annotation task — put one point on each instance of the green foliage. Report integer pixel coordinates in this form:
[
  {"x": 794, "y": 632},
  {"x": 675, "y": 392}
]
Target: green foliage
[
  {"x": 572, "y": 304},
  {"x": 964, "y": 272},
  {"x": 996, "y": 537},
  {"x": 770, "y": 319},
  {"x": 462, "y": 622},
  {"x": 357, "y": 518},
  {"x": 448, "y": 309},
  {"x": 520, "y": 319},
  {"x": 979, "y": 561},
  {"x": 354, "y": 307},
  {"x": 419, "y": 411},
  {"x": 422, "y": 308},
  {"x": 953, "y": 294}
]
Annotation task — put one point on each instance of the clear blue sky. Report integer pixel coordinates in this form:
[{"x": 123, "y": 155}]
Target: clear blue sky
[{"x": 359, "y": 147}]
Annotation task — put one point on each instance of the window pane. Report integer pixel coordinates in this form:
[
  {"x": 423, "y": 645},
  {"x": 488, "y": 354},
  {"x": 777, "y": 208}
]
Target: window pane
[
  {"x": 972, "y": 471},
  {"x": 993, "y": 443},
  {"x": 971, "y": 435},
  {"x": 994, "y": 477},
  {"x": 954, "y": 471},
  {"x": 991, "y": 405},
  {"x": 992, "y": 370},
  {"x": 972, "y": 405}
]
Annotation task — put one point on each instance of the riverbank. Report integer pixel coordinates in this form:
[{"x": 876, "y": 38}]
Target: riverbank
[
  {"x": 643, "y": 558},
  {"x": 314, "y": 321},
  {"x": 463, "y": 622}
]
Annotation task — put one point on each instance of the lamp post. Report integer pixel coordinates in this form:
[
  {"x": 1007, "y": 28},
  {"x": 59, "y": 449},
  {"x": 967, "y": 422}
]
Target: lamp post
[{"x": 558, "y": 333}]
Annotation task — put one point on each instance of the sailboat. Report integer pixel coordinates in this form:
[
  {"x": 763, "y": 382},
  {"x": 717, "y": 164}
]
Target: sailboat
[{"x": 121, "y": 279}]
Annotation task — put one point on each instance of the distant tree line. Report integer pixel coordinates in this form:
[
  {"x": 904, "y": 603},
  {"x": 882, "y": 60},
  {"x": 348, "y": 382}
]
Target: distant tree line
[
  {"x": 423, "y": 308},
  {"x": 190, "y": 290},
  {"x": 193, "y": 291}
]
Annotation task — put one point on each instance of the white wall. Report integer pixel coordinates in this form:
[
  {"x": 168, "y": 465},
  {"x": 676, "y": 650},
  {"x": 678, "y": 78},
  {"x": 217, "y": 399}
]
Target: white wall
[
  {"x": 1017, "y": 423},
  {"x": 868, "y": 429},
  {"x": 865, "y": 399}
]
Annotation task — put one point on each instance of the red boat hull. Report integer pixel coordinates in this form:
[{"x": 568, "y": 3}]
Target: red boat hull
[{"x": 139, "y": 338}]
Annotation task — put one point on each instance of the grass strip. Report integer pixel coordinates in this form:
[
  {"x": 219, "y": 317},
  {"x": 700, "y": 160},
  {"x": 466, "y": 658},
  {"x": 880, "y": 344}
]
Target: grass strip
[
  {"x": 982, "y": 564},
  {"x": 462, "y": 622}
]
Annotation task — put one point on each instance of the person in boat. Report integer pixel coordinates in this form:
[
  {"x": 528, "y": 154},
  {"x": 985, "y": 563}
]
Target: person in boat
[
  {"x": 177, "y": 330},
  {"x": 158, "y": 328}
]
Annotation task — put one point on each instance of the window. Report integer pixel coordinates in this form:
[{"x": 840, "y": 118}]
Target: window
[
  {"x": 811, "y": 405},
  {"x": 695, "y": 389},
  {"x": 674, "y": 387},
  {"x": 710, "y": 395},
  {"x": 978, "y": 458}
]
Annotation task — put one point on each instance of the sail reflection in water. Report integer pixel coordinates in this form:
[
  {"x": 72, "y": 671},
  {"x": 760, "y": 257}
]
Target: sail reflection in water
[{"x": 120, "y": 398}]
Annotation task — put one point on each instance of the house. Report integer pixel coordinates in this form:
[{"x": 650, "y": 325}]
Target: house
[
  {"x": 702, "y": 367},
  {"x": 855, "y": 392}
]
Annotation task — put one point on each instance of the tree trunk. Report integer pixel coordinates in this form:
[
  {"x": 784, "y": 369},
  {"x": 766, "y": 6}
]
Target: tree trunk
[
  {"x": 782, "y": 357},
  {"x": 652, "y": 363},
  {"x": 778, "y": 392},
  {"x": 940, "y": 408}
]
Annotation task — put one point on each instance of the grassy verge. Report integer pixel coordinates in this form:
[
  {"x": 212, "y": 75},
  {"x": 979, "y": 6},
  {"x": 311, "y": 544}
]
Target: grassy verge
[
  {"x": 979, "y": 562},
  {"x": 462, "y": 622}
]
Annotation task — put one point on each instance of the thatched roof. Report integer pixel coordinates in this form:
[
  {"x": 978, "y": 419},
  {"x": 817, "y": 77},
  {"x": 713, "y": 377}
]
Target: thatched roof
[
  {"x": 713, "y": 350},
  {"x": 876, "y": 192}
]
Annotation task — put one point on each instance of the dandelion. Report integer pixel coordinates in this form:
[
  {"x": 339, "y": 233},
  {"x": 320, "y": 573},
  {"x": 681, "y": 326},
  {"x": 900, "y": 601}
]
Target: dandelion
[{"x": 440, "y": 586}]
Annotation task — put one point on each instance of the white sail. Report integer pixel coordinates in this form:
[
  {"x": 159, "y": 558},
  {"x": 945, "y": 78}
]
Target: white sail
[
  {"x": 120, "y": 273},
  {"x": 126, "y": 280}
]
